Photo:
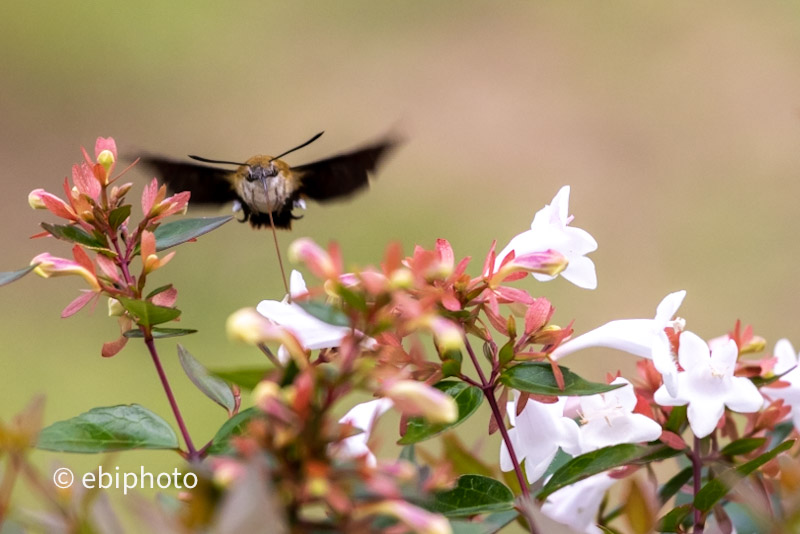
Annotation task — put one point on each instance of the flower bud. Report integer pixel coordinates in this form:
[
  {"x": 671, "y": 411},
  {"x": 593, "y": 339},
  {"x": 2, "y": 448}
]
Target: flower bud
[
  {"x": 264, "y": 392},
  {"x": 401, "y": 278},
  {"x": 418, "y": 398},
  {"x": 247, "y": 325},
  {"x": 756, "y": 344},
  {"x": 449, "y": 336},
  {"x": 48, "y": 265},
  {"x": 316, "y": 259},
  {"x": 35, "y": 199},
  {"x": 106, "y": 159},
  {"x": 415, "y": 518},
  {"x": 115, "y": 309}
]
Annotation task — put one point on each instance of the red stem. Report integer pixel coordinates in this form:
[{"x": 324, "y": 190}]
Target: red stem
[
  {"x": 151, "y": 346},
  {"x": 488, "y": 391},
  {"x": 697, "y": 473}
]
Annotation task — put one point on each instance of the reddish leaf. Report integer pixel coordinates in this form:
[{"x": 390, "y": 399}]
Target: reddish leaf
[
  {"x": 83, "y": 259},
  {"x": 557, "y": 374},
  {"x": 512, "y": 294},
  {"x": 76, "y": 305},
  {"x": 672, "y": 440},
  {"x": 538, "y": 314},
  {"x": 113, "y": 347},
  {"x": 488, "y": 264},
  {"x": 108, "y": 267},
  {"x": 445, "y": 252}
]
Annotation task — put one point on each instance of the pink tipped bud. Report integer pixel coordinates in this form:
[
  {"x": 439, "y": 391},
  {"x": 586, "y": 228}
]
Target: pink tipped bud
[
  {"x": 415, "y": 518},
  {"x": 48, "y": 265},
  {"x": 316, "y": 259},
  {"x": 35, "y": 199},
  {"x": 449, "y": 335},
  {"x": 39, "y": 198},
  {"x": 417, "y": 398},
  {"x": 249, "y": 326},
  {"x": 550, "y": 262}
]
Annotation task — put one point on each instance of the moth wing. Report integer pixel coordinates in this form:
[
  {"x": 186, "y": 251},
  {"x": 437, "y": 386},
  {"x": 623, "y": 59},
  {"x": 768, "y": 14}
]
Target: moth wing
[
  {"x": 208, "y": 185},
  {"x": 343, "y": 174}
]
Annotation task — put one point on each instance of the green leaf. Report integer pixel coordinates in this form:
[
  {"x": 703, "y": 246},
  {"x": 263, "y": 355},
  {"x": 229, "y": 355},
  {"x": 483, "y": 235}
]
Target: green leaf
[
  {"x": 601, "y": 460},
  {"x": 8, "y": 277},
  {"x": 538, "y": 378},
  {"x": 118, "y": 216},
  {"x": 324, "y": 312},
  {"x": 496, "y": 521},
  {"x": 213, "y": 388},
  {"x": 106, "y": 429},
  {"x": 467, "y": 397},
  {"x": 352, "y": 298},
  {"x": 473, "y": 494},
  {"x": 742, "y": 446},
  {"x": 234, "y": 426},
  {"x": 464, "y": 461},
  {"x": 672, "y": 520},
  {"x": 160, "y": 333},
  {"x": 183, "y": 230},
  {"x": 760, "y": 381},
  {"x": 717, "y": 488},
  {"x": 462, "y": 526},
  {"x": 674, "y": 485},
  {"x": 246, "y": 378},
  {"x": 147, "y": 313},
  {"x": 677, "y": 418},
  {"x": 75, "y": 234}
]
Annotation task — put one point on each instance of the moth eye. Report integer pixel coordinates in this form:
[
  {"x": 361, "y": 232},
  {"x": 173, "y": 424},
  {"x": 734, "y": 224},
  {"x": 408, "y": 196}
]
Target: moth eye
[
  {"x": 250, "y": 177},
  {"x": 272, "y": 170}
]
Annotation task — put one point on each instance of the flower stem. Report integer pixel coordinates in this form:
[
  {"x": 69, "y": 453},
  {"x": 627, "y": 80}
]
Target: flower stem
[
  {"x": 151, "y": 346},
  {"x": 697, "y": 474},
  {"x": 488, "y": 388}
]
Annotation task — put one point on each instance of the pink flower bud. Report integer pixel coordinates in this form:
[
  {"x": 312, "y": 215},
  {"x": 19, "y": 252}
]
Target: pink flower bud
[
  {"x": 316, "y": 259},
  {"x": 415, "y": 518},
  {"x": 35, "y": 200},
  {"x": 249, "y": 326},
  {"x": 48, "y": 265},
  {"x": 39, "y": 198},
  {"x": 550, "y": 263},
  {"x": 417, "y": 398}
]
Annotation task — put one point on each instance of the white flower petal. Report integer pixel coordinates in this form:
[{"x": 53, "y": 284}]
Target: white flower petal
[
  {"x": 668, "y": 307},
  {"x": 703, "y": 417},
  {"x": 610, "y": 419},
  {"x": 665, "y": 363},
  {"x": 744, "y": 396},
  {"x": 362, "y": 416},
  {"x": 581, "y": 272},
  {"x": 692, "y": 351},
  {"x": 538, "y": 433},
  {"x": 784, "y": 353},
  {"x": 550, "y": 230},
  {"x": 577, "y": 504},
  {"x": 635, "y": 336}
]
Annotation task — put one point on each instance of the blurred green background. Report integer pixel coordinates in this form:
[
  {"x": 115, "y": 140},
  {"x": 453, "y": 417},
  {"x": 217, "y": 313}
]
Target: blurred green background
[{"x": 676, "y": 124}]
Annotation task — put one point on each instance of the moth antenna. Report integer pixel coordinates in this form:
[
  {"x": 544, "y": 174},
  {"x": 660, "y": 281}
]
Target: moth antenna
[
  {"x": 298, "y": 147},
  {"x": 206, "y": 160}
]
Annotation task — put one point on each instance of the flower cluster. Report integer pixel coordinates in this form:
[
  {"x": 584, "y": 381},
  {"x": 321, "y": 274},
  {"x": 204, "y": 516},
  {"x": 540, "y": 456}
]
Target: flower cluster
[
  {"x": 98, "y": 223},
  {"x": 422, "y": 337}
]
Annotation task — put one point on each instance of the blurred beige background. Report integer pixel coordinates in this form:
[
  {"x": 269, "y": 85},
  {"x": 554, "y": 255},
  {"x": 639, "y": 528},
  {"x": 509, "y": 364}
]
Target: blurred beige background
[{"x": 677, "y": 126}]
